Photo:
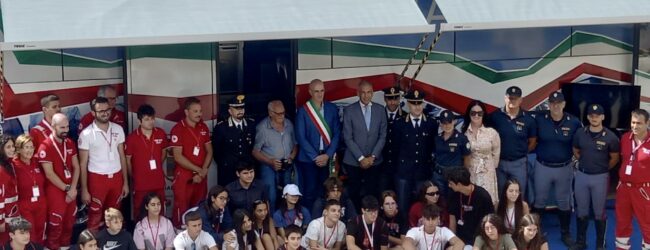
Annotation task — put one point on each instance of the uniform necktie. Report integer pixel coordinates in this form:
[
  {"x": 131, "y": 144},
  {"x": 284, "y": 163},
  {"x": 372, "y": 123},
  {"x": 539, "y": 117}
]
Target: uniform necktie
[
  {"x": 417, "y": 122},
  {"x": 392, "y": 116},
  {"x": 239, "y": 127},
  {"x": 366, "y": 116}
]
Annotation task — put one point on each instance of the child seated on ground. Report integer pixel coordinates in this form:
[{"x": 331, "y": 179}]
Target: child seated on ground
[{"x": 113, "y": 236}]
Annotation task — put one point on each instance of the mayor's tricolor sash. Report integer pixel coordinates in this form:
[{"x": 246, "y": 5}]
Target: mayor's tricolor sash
[{"x": 319, "y": 121}]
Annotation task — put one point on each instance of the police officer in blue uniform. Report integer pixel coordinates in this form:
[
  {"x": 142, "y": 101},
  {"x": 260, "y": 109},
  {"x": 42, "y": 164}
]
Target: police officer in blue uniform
[
  {"x": 518, "y": 133},
  {"x": 232, "y": 140},
  {"x": 554, "y": 165},
  {"x": 597, "y": 150},
  {"x": 392, "y": 98},
  {"x": 452, "y": 149},
  {"x": 414, "y": 145}
]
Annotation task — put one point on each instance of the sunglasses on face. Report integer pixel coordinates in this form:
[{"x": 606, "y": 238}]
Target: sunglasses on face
[
  {"x": 476, "y": 113},
  {"x": 433, "y": 193}
]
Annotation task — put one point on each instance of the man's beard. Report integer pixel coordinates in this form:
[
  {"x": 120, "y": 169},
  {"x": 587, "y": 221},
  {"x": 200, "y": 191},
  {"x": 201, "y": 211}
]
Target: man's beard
[{"x": 62, "y": 136}]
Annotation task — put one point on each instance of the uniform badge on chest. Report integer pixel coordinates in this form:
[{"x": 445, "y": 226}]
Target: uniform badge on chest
[
  {"x": 565, "y": 131},
  {"x": 520, "y": 126},
  {"x": 452, "y": 147}
]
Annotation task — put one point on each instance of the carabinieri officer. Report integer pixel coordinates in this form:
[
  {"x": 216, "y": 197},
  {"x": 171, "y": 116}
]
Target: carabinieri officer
[
  {"x": 597, "y": 150},
  {"x": 555, "y": 130}
]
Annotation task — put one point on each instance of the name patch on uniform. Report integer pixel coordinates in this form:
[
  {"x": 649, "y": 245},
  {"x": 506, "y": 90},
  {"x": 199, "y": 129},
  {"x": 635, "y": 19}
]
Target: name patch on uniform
[
  {"x": 452, "y": 147},
  {"x": 158, "y": 141}
]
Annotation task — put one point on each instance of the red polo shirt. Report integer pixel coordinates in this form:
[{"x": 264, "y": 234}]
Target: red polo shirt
[
  {"x": 29, "y": 176},
  {"x": 640, "y": 164},
  {"x": 116, "y": 117},
  {"x": 142, "y": 150},
  {"x": 54, "y": 152},
  {"x": 182, "y": 135},
  {"x": 40, "y": 132}
]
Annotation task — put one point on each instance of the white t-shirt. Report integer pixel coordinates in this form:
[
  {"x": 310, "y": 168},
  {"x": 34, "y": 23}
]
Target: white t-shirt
[
  {"x": 439, "y": 238},
  {"x": 103, "y": 157},
  {"x": 331, "y": 235},
  {"x": 203, "y": 242}
]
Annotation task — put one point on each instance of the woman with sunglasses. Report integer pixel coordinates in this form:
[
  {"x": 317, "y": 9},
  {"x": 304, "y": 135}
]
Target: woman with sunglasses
[
  {"x": 428, "y": 193},
  {"x": 485, "y": 145},
  {"x": 263, "y": 225}
]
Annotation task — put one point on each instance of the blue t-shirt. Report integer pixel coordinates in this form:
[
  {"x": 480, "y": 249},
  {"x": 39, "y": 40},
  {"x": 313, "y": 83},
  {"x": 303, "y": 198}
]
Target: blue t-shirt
[
  {"x": 283, "y": 219},
  {"x": 514, "y": 133},
  {"x": 450, "y": 152},
  {"x": 555, "y": 138}
]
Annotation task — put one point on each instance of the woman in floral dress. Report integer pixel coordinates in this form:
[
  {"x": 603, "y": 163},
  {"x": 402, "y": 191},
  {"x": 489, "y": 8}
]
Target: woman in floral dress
[{"x": 486, "y": 147}]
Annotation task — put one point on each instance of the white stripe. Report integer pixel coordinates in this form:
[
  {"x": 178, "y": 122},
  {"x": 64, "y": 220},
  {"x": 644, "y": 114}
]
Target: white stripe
[
  {"x": 11, "y": 199},
  {"x": 320, "y": 123}
]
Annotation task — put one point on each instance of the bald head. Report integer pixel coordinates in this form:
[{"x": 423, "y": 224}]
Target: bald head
[
  {"x": 276, "y": 111},
  {"x": 61, "y": 125},
  {"x": 317, "y": 91}
]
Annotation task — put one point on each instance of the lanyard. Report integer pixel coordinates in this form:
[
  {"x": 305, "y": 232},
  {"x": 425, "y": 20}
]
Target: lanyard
[
  {"x": 108, "y": 140},
  {"x": 462, "y": 206},
  {"x": 63, "y": 155},
  {"x": 288, "y": 219},
  {"x": 369, "y": 233},
  {"x": 153, "y": 143},
  {"x": 48, "y": 126},
  {"x": 635, "y": 147},
  {"x": 198, "y": 142},
  {"x": 154, "y": 236},
  {"x": 327, "y": 240},
  {"x": 433, "y": 240},
  {"x": 510, "y": 219}
]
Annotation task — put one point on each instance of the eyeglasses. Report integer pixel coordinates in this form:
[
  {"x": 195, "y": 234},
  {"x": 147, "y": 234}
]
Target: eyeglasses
[
  {"x": 476, "y": 113},
  {"x": 277, "y": 113},
  {"x": 433, "y": 193},
  {"x": 105, "y": 111}
]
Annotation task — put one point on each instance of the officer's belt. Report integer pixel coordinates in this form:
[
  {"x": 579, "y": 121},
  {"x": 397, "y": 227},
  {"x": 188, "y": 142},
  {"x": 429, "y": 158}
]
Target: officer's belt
[
  {"x": 441, "y": 168},
  {"x": 555, "y": 165},
  {"x": 581, "y": 169},
  {"x": 630, "y": 184}
]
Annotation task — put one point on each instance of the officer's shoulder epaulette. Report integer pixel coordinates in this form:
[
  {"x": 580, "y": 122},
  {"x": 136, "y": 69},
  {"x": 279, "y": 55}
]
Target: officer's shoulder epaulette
[
  {"x": 250, "y": 119},
  {"x": 220, "y": 122}
]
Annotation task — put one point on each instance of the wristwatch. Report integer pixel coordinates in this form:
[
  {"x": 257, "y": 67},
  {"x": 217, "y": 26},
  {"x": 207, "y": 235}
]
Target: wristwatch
[{"x": 67, "y": 188}]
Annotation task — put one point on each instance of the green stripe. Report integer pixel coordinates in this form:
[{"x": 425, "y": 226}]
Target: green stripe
[
  {"x": 642, "y": 74},
  {"x": 342, "y": 48},
  {"x": 196, "y": 51}
]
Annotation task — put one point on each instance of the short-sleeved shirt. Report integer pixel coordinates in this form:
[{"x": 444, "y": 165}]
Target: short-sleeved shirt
[
  {"x": 40, "y": 132},
  {"x": 120, "y": 241},
  {"x": 505, "y": 243},
  {"x": 241, "y": 197},
  {"x": 142, "y": 151},
  {"x": 641, "y": 160},
  {"x": 154, "y": 236},
  {"x": 54, "y": 152},
  {"x": 435, "y": 241},
  {"x": 192, "y": 140},
  {"x": 319, "y": 232},
  {"x": 470, "y": 210},
  {"x": 397, "y": 225},
  {"x": 514, "y": 133},
  {"x": 29, "y": 176},
  {"x": 274, "y": 143},
  {"x": 555, "y": 138},
  {"x": 103, "y": 156},
  {"x": 450, "y": 152},
  {"x": 289, "y": 217},
  {"x": 378, "y": 230},
  {"x": 595, "y": 149},
  {"x": 183, "y": 241}
]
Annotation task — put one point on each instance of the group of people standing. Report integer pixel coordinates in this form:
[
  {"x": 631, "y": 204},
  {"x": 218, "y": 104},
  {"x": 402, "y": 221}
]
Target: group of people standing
[{"x": 403, "y": 170}]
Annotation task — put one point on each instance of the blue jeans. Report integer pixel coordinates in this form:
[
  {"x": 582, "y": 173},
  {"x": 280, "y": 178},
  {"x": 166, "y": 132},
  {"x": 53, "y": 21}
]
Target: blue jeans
[
  {"x": 311, "y": 184},
  {"x": 277, "y": 179}
]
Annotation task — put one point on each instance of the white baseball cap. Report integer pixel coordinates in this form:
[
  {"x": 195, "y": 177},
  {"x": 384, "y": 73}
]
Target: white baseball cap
[{"x": 291, "y": 189}]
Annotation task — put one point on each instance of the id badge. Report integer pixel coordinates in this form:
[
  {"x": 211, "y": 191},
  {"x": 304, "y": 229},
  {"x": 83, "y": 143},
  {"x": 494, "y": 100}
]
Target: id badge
[
  {"x": 628, "y": 170},
  {"x": 35, "y": 191},
  {"x": 34, "y": 199},
  {"x": 298, "y": 222},
  {"x": 460, "y": 222},
  {"x": 67, "y": 173},
  {"x": 196, "y": 151},
  {"x": 152, "y": 164}
]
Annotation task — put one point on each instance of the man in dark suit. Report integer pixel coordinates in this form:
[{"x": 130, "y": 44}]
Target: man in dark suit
[
  {"x": 414, "y": 145},
  {"x": 392, "y": 98},
  {"x": 232, "y": 140},
  {"x": 364, "y": 132},
  {"x": 318, "y": 131}
]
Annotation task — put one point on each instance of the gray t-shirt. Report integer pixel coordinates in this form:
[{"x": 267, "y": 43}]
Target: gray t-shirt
[{"x": 505, "y": 243}]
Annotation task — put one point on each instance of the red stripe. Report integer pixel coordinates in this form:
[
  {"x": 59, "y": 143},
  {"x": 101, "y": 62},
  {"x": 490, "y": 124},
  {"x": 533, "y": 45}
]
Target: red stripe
[{"x": 313, "y": 119}]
